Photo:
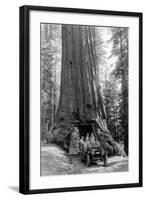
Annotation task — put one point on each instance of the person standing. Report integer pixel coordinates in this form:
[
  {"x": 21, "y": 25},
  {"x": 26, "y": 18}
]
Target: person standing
[{"x": 74, "y": 141}]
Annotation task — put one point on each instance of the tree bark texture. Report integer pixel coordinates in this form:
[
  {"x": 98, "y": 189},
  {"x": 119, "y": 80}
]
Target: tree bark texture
[{"x": 79, "y": 78}]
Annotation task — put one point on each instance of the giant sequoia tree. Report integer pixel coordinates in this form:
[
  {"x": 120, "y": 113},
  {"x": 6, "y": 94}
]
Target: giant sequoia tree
[
  {"x": 80, "y": 85},
  {"x": 79, "y": 77}
]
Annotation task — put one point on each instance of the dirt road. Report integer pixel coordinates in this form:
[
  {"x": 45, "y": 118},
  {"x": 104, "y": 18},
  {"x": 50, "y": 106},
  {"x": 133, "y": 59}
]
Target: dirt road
[
  {"x": 54, "y": 161},
  {"x": 115, "y": 164}
]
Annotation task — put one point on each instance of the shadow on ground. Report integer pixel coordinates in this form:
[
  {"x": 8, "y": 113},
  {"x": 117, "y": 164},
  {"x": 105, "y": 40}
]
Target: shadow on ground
[{"x": 14, "y": 188}]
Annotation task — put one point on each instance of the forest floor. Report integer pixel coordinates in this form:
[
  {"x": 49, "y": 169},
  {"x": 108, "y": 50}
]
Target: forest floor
[{"x": 54, "y": 161}]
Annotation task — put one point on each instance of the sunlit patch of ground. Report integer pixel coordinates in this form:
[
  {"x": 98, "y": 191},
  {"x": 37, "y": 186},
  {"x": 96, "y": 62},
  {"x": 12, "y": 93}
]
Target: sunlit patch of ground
[
  {"x": 115, "y": 164},
  {"x": 54, "y": 161}
]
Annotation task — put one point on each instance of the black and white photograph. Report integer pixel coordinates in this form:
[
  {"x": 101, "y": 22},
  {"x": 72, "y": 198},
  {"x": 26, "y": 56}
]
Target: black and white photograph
[
  {"x": 80, "y": 95},
  {"x": 83, "y": 99}
]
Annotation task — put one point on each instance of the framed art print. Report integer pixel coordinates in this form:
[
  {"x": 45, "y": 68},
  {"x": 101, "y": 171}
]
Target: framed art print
[{"x": 80, "y": 99}]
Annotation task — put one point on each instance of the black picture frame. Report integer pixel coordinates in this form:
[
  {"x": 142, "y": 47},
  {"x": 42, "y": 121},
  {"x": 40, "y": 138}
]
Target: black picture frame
[{"x": 25, "y": 105}]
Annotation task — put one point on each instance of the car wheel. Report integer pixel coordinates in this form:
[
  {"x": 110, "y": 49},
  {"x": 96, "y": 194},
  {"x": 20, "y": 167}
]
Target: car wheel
[
  {"x": 105, "y": 160},
  {"x": 81, "y": 156},
  {"x": 87, "y": 160}
]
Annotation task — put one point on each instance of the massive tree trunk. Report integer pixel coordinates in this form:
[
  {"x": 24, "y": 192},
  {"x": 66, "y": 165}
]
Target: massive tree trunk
[
  {"x": 80, "y": 88},
  {"x": 79, "y": 78}
]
